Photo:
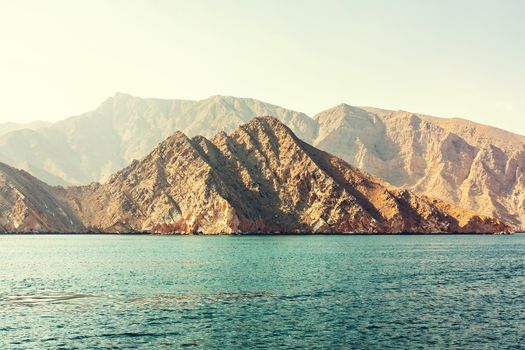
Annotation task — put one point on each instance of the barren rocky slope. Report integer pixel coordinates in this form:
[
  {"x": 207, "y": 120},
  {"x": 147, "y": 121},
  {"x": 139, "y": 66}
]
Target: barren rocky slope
[
  {"x": 474, "y": 166},
  {"x": 260, "y": 178},
  {"x": 29, "y": 205},
  {"x": 92, "y": 146}
]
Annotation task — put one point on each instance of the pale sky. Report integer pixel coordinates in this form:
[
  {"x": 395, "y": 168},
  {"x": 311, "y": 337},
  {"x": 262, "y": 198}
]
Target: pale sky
[{"x": 443, "y": 57}]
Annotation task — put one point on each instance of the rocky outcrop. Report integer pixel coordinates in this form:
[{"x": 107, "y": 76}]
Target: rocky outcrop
[
  {"x": 474, "y": 166},
  {"x": 471, "y": 165},
  {"x": 260, "y": 178},
  {"x": 29, "y": 205},
  {"x": 94, "y": 145}
]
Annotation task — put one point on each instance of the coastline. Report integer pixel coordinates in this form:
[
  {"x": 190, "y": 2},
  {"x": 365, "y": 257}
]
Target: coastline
[{"x": 261, "y": 234}]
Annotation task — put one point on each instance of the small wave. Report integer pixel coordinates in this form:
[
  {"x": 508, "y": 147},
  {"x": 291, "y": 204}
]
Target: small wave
[
  {"x": 195, "y": 299},
  {"x": 47, "y": 298},
  {"x": 126, "y": 335}
]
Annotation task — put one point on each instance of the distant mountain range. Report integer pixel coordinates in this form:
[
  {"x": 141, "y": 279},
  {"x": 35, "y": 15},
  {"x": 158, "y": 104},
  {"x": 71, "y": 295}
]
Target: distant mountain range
[
  {"x": 92, "y": 146},
  {"x": 8, "y": 127},
  {"x": 472, "y": 165},
  {"x": 260, "y": 178}
]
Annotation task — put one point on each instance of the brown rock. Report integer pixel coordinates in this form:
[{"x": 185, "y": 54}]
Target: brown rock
[
  {"x": 29, "y": 205},
  {"x": 260, "y": 178},
  {"x": 472, "y": 165}
]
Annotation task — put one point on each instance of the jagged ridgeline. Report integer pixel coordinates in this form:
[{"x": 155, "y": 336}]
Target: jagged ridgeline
[
  {"x": 260, "y": 178},
  {"x": 471, "y": 165}
]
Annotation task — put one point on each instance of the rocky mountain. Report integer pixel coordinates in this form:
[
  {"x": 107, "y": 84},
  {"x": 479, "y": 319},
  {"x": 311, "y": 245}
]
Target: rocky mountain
[
  {"x": 29, "y": 205},
  {"x": 259, "y": 178},
  {"x": 472, "y": 165},
  {"x": 8, "y": 127},
  {"x": 92, "y": 146}
]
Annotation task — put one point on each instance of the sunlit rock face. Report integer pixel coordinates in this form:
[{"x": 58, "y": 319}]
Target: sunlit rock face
[
  {"x": 259, "y": 178},
  {"x": 29, "y": 205},
  {"x": 471, "y": 165},
  {"x": 92, "y": 146},
  {"x": 474, "y": 166}
]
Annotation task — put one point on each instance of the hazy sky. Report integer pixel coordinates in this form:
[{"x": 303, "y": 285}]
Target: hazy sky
[{"x": 446, "y": 58}]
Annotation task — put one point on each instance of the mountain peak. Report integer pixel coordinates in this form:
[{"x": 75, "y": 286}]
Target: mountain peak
[
  {"x": 260, "y": 178},
  {"x": 445, "y": 158},
  {"x": 267, "y": 120},
  {"x": 222, "y": 98},
  {"x": 120, "y": 94},
  {"x": 268, "y": 125}
]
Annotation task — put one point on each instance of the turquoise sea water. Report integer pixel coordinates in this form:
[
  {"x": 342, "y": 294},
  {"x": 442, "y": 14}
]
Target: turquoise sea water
[{"x": 290, "y": 292}]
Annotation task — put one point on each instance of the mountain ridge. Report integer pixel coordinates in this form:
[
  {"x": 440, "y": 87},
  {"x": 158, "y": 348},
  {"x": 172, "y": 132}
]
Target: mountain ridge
[
  {"x": 13, "y": 126},
  {"x": 467, "y": 163},
  {"x": 29, "y": 205},
  {"x": 123, "y": 128},
  {"x": 260, "y": 178},
  {"x": 449, "y": 159}
]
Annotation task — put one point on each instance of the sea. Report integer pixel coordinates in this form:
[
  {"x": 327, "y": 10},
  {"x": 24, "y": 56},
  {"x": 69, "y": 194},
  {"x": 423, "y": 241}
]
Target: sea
[{"x": 262, "y": 292}]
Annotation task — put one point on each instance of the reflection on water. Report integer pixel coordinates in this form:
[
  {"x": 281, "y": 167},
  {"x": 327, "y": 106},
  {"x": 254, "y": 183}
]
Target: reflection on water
[
  {"x": 377, "y": 292},
  {"x": 47, "y": 298}
]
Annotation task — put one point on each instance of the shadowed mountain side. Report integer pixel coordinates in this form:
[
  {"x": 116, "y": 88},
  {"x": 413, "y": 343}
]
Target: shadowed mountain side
[
  {"x": 259, "y": 178},
  {"x": 471, "y": 165}
]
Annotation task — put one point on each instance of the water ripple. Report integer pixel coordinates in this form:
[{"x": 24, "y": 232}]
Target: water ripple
[
  {"x": 47, "y": 298},
  {"x": 331, "y": 292}
]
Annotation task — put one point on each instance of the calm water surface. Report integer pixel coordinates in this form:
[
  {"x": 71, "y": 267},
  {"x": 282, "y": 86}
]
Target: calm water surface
[{"x": 332, "y": 292}]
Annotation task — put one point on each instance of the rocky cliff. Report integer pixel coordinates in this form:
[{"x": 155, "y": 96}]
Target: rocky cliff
[
  {"x": 94, "y": 145},
  {"x": 29, "y": 205},
  {"x": 472, "y": 165},
  {"x": 259, "y": 178}
]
